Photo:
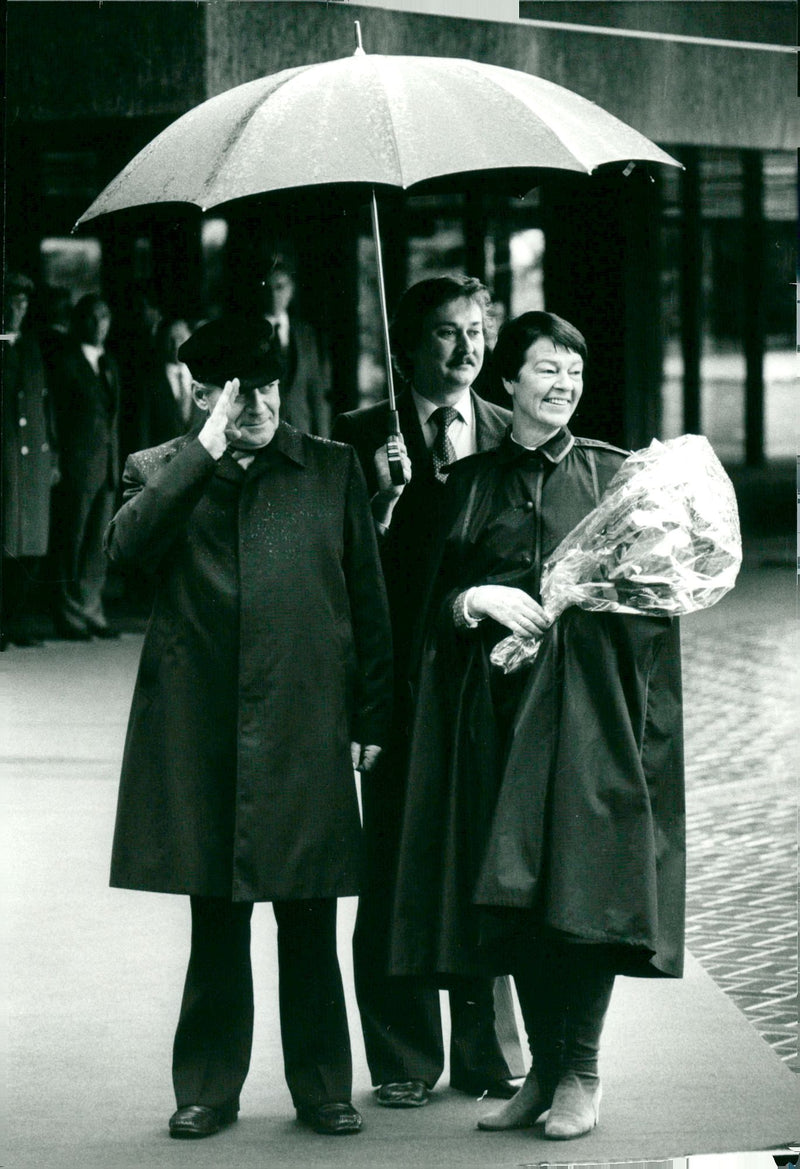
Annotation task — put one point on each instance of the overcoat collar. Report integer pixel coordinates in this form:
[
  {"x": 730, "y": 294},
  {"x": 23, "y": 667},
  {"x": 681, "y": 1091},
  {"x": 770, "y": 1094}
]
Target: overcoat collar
[
  {"x": 287, "y": 443},
  {"x": 556, "y": 448}
]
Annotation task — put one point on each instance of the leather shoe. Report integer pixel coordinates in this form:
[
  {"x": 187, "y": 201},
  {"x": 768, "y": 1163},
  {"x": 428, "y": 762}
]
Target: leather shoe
[
  {"x": 73, "y": 633},
  {"x": 199, "y": 1120},
  {"x": 408, "y": 1094},
  {"x": 104, "y": 632},
  {"x": 331, "y": 1120},
  {"x": 477, "y": 1085}
]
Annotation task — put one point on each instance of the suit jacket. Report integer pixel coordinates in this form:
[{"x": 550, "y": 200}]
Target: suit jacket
[
  {"x": 306, "y": 383},
  {"x": 87, "y": 417},
  {"x": 407, "y": 548},
  {"x": 268, "y": 650}
]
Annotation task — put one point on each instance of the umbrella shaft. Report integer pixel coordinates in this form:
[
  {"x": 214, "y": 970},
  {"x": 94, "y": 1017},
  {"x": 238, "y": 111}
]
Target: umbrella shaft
[{"x": 387, "y": 347}]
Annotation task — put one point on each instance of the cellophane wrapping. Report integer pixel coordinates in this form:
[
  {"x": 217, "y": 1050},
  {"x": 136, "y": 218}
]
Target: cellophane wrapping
[{"x": 664, "y": 540}]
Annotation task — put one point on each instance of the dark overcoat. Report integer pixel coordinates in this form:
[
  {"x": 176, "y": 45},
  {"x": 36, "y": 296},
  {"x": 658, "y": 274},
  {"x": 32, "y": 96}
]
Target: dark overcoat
[
  {"x": 87, "y": 415},
  {"x": 556, "y": 790},
  {"x": 267, "y": 652},
  {"x": 29, "y": 449}
]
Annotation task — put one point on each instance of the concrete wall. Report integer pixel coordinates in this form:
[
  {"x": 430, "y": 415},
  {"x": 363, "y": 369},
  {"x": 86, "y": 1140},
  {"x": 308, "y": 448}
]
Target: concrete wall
[
  {"x": 133, "y": 57},
  {"x": 69, "y": 59}
]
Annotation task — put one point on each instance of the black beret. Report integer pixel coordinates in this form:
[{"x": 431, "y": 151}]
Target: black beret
[{"x": 231, "y": 347}]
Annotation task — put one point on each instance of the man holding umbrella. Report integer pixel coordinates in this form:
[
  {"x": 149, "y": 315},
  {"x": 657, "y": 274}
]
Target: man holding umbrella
[
  {"x": 265, "y": 677},
  {"x": 437, "y": 344}
]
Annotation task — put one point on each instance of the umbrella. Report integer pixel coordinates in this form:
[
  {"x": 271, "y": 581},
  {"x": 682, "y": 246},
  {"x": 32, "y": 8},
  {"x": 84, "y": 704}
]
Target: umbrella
[{"x": 372, "y": 121}]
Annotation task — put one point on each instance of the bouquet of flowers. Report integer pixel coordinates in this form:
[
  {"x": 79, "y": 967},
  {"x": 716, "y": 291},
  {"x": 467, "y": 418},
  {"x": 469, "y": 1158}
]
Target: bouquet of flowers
[{"x": 664, "y": 540}]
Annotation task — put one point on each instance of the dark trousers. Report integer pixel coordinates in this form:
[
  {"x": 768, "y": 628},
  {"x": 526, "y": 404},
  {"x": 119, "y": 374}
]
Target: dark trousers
[
  {"x": 211, "y": 1054},
  {"x": 400, "y": 1017},
  {"x": 81, "y": 515}
]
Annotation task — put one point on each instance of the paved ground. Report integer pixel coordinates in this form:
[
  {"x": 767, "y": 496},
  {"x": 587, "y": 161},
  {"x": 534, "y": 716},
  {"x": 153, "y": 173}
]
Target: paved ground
[
  {"x": 741, "y": 684},
  {"x": 741, "y": 702}
]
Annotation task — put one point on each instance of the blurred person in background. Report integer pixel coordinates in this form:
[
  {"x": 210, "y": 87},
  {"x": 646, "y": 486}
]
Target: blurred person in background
[
  {"x": 86, "y": 392},
  {"x": 169, "y": 409},
  {"x": 55, "y": 314},
  {"x": 132, "y": 341},
  {"x": 30, "y": 462},
  {"x": 306, "y": 381}
]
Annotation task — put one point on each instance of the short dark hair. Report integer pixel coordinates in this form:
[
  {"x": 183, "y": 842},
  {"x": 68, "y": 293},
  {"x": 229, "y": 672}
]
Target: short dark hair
[
  {"x": 82, "y": 311},
  {"x": 517, "y": 336},
  {"x": 405, "y": 331}
]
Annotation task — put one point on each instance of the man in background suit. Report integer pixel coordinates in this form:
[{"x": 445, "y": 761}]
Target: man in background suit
[
  {"x": 306, "y": 382},
  {"x": 86, "y": 393},
  {"x": 437, "y": 344}
]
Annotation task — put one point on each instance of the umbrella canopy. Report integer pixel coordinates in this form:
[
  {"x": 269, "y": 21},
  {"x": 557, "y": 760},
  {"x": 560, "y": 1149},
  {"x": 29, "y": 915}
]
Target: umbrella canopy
[{"x": 380, "y": 121}]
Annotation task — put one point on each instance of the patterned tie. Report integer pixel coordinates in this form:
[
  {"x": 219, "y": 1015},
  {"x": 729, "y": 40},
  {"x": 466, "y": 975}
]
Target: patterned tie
[{"x": 443, "y": 451}]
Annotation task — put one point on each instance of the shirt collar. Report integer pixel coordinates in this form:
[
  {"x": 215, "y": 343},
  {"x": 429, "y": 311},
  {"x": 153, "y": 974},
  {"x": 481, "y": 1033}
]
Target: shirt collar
[
  {"x": 554, "y": 449},
  {"x": 425, "y": 407}
]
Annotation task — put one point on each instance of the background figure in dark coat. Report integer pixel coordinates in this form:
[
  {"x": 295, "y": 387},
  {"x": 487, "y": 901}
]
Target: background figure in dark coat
[
  {"x": 132, "y": 341},
  {"x": 168, "y": 408},
  {"x": 265, "y": 677},
  {"x": 544, "y": 824},
  {"x": 437, "y": 339},
  {"x": 30, "y": 462},
  {"x": 53, "y": 330},
  {"x": 86, "y": 397},
  {"x": 306, "y": 379}
]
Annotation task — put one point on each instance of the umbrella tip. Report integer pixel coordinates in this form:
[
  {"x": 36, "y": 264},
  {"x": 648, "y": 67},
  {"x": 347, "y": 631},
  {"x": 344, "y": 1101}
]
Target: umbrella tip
[{"x": 359, "y": 47}]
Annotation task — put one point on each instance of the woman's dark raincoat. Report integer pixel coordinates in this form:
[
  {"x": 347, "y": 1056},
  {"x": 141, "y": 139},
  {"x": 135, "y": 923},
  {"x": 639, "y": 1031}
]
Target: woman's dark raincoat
[
  {"x": 268, "y": 650},
  {"x": 557, "y": 789}
]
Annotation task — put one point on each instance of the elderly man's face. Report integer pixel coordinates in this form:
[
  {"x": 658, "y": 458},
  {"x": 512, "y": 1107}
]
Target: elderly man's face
[
  {"x": 257, "y": 418},
  {"x": 450, "y": 352}
]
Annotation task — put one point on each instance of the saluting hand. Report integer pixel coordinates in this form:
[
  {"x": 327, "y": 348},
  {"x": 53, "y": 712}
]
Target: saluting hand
[
  {"x": 512, "y": 607},
  {"x": 220, "y": 426},
  {"x": 364, "y": 758}
]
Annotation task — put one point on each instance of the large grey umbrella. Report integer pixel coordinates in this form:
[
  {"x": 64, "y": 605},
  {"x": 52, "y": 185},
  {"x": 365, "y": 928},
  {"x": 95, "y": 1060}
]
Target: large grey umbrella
[{"x": 374, "y": 121}]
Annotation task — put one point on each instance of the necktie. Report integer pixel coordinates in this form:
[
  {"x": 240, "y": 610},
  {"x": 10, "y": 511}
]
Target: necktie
[{"x": 443, "y": 451}]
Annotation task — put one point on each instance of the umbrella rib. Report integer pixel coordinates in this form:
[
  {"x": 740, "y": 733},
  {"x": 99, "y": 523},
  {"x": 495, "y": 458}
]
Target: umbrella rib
[{"x": 240, "y": 126}]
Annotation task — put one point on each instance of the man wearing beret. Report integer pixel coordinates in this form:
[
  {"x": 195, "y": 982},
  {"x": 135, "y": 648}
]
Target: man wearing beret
[{"x": 265, "y": 677}]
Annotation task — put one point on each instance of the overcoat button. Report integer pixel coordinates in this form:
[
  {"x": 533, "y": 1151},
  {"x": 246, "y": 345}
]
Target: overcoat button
[
  {"x": 23, "y": 421},
  {"x": 23, "y": 450}
]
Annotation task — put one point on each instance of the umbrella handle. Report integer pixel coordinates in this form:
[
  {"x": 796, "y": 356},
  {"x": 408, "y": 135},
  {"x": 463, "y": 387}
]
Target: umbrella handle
[{"x": 395, "y": 461}]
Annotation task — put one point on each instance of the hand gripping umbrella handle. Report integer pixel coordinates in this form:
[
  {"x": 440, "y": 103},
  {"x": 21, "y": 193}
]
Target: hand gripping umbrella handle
[{"x": 395, "y": 461}]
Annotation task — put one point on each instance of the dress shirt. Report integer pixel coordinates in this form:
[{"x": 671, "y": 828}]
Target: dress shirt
[
  {"x": 281, "y": 326},
  {"x": 93, "y": 353},
  {"x": 461, "y": 431}
]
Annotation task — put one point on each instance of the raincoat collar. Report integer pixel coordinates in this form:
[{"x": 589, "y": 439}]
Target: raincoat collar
[{"x": 556, "y": 448}]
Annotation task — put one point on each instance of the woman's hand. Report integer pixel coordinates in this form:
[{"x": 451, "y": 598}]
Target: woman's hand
[
  {"x": 513, "y": 608},
  {"x": 219, "y": 428}
]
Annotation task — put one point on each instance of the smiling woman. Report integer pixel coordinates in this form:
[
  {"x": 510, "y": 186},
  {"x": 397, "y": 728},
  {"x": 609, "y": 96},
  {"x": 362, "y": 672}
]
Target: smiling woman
[
  {"x": 534, "y": 801},
  {"x": 545, "y": 378}
]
